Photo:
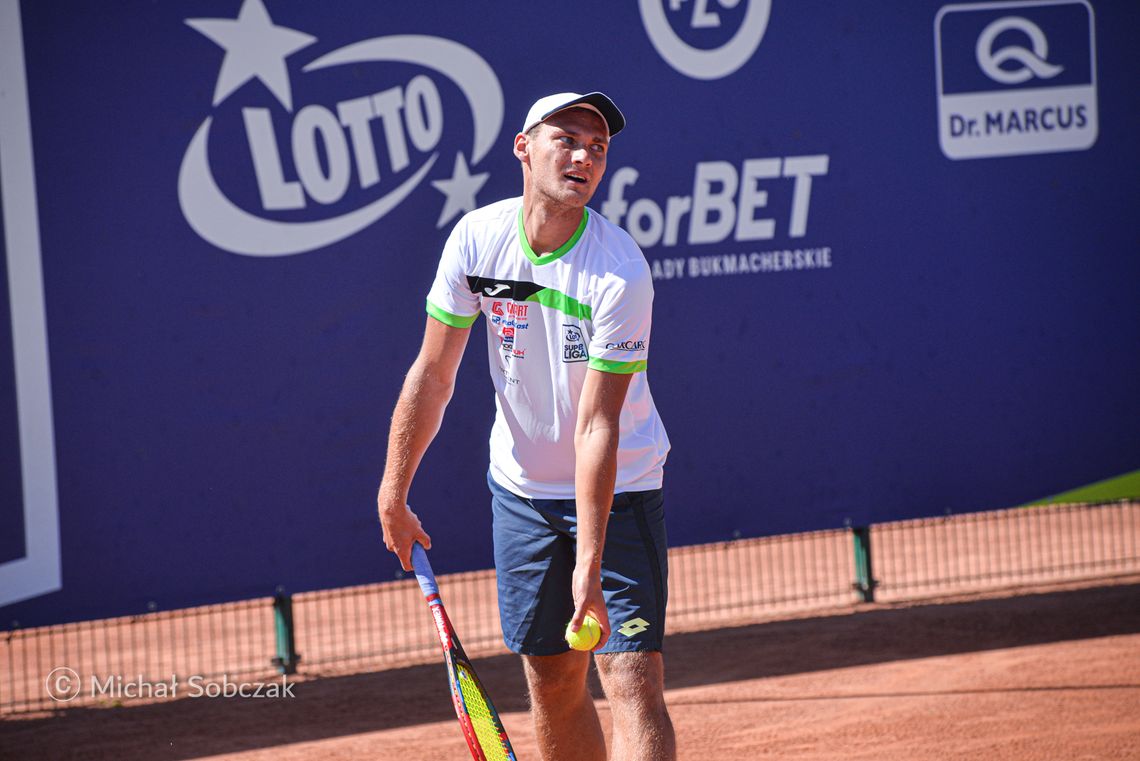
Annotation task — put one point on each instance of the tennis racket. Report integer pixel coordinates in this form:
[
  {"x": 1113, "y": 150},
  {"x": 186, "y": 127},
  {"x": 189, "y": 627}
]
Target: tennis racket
[{"x": 477, "y": 715}]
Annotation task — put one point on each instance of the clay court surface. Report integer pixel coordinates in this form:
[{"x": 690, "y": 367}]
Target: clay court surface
[{"x": 1050, "y": 674}]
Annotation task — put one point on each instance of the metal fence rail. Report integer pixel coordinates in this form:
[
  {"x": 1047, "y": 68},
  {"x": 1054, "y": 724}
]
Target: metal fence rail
[
  {"x": 387, "y": 624},
  {"x": 106, "y": 659},
  {"x": 1026, "y": 545},
  {"x": 383, "y": 625},
  {"x": 711, "y": 584}
]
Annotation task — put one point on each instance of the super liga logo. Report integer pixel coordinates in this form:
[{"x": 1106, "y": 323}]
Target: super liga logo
[{"x": 335, "y": 153}]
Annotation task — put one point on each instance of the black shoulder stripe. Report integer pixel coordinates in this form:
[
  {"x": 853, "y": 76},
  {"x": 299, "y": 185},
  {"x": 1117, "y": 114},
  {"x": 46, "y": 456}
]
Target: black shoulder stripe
[{"x": 515, "y": 290}]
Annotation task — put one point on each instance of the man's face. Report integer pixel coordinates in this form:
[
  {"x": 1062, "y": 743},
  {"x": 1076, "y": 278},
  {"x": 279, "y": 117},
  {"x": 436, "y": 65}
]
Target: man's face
[{"x": 567, "y": 156}]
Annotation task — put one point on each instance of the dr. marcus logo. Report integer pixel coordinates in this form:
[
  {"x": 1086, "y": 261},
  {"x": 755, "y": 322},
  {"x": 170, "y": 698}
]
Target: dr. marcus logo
[
  {"x": 573, "y": 344},
  {"x": 1016, "y": 78},
  {"x": 309, "y": 164}
]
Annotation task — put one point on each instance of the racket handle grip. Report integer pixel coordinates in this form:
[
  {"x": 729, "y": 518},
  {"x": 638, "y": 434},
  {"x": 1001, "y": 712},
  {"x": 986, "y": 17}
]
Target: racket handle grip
[{"x": 424, "y": 573}]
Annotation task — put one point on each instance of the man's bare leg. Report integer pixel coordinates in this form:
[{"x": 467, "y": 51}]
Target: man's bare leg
[
  {"x": 635, "y": 686},
  {"x": 565, "y": 720}
]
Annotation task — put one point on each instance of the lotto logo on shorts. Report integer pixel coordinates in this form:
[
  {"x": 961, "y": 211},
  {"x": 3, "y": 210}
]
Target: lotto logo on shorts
[{"x": 633, "y": 627}]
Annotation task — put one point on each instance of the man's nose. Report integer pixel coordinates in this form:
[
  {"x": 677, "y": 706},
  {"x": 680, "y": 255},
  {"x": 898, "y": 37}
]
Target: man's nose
[{"x": 581, "y": 156}]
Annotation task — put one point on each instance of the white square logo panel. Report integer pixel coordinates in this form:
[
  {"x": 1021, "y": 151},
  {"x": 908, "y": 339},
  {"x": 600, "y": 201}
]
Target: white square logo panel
[{"x": 1016, "y": 78}]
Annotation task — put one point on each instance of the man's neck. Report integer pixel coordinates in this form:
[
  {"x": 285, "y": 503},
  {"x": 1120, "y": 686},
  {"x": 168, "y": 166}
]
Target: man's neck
[{"x": 548, "y": 227}]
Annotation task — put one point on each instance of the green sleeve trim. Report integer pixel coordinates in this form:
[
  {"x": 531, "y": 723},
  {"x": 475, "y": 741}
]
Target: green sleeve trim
[
  {"x": 447, "y": 318},
  {"x": 612, "y": 366},
  {"x": 557, "y": 253},
  {"x": 549, "y": 297}
]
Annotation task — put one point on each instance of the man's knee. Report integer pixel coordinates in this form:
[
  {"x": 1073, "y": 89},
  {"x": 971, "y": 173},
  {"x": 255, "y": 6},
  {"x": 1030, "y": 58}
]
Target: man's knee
[
  {"x": 636, "y": 679},
  {"x": 554, "y": 677}
]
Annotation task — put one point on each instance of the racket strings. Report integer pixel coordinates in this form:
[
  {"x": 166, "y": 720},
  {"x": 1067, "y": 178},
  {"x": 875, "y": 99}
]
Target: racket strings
[{"x": 490, "y": 733}]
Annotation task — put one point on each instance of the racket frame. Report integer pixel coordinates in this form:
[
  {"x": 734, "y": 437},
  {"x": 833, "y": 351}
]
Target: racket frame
[{"x": 453, "y": 655}]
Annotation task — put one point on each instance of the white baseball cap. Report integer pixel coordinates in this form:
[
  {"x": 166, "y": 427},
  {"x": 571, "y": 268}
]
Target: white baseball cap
[{"x": 599, "y": 103}]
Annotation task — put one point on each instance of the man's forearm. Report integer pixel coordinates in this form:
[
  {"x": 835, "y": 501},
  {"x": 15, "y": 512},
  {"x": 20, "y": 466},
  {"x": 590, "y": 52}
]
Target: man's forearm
[
  {"x": 415, "y": 422},
  {"x": 595, "y": 470},
  {"x": 595, "y": 473}
]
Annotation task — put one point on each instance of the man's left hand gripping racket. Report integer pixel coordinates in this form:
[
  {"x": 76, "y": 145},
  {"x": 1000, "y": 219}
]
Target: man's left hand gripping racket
[{"x": 481, "y": 726}]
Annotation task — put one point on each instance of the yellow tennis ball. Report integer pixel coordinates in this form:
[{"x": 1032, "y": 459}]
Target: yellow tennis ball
[{"x": 587, "y": 635}]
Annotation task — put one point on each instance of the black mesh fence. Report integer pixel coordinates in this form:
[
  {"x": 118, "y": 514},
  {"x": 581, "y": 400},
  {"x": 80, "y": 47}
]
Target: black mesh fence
[
  {"x": 1003, "y": 548},
  {"x": 133, "y": 658},
  {"x": 159, "y": 655}
]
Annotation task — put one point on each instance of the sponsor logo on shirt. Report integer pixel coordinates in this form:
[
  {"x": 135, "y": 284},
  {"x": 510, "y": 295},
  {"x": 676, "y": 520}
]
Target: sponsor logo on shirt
[
  {"x": 627, "y": 346},
  {"x": 573, "y": 344},
  {"x": 509, "y": 318},
  {"x": 515, "y": 290}
]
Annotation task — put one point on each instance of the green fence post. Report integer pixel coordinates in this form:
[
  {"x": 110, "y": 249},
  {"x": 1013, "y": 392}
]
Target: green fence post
[
  {"x": 864, "y": 576},
  {"x": 287, "y": 657}
]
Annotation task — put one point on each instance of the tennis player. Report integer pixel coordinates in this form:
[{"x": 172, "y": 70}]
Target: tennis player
[{"x": 577, "y": 447}]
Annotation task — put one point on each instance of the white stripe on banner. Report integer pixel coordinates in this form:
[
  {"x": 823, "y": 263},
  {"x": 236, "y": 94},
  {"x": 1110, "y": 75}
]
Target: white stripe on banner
[{"x": 40, "y": 571}]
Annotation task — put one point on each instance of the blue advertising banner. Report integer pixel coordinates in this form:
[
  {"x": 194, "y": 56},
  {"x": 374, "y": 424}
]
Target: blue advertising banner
[{"x": 894, "y": 248}]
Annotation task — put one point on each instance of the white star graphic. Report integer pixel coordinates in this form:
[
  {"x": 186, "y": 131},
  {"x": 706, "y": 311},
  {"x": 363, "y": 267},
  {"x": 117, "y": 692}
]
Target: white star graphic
[
  {"x": 460, "y": 190},
  {"x": 254, "y": 48}
]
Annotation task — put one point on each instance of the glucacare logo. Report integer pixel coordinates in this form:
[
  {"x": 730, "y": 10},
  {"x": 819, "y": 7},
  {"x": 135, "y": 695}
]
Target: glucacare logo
[
  {"x": 368, "y": 151},
  {"x": 696, "y": 16},
  {"x": 626, "y": 346}
]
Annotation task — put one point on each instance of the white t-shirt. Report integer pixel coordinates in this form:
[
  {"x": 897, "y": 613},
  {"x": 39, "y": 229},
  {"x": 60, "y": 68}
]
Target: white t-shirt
[{"x": 549, "y": 318}]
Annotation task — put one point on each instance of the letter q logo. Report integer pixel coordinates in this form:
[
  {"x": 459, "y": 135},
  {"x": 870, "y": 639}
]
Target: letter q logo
[
  {"x": 1032, "y": 64},
  {"x": 700, "y": 63}
]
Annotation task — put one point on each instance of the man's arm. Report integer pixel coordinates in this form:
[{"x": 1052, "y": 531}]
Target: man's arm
[
  {"x": 415, "y": 421},
  {"x": 595, "y": 471}
]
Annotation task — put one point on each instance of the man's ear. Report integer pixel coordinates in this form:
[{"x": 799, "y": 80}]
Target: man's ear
[{"x": 521, "y": 144}]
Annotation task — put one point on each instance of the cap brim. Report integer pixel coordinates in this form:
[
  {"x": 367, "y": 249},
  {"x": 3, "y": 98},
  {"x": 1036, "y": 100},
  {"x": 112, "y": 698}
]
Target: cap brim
[{"x": 600, "y": 102}]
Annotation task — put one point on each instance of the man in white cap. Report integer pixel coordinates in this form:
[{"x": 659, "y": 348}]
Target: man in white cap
[{"x": 577, "y": 447}]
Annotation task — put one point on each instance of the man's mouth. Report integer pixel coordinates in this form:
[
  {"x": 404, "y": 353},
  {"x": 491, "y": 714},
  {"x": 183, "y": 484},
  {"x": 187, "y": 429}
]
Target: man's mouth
[{"x": 575, "y": 177}]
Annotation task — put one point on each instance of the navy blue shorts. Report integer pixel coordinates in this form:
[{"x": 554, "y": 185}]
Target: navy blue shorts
[{"x": 534, "y": 562}]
